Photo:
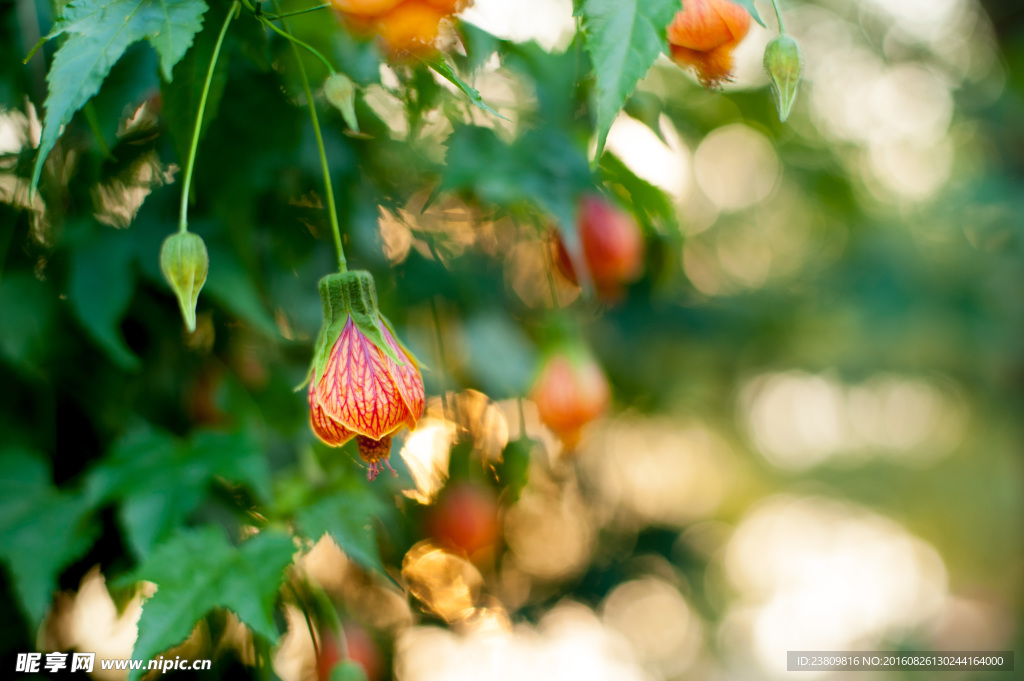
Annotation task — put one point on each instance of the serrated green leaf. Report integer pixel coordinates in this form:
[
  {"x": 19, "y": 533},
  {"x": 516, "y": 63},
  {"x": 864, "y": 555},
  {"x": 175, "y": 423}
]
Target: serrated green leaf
[
  {"x": 160, "y": 480},
  {"x": 98, "y": 32},
  {"x": 199, "y": 570},
  {"x": 442, "y": 67},
  {"x": 348, "y": 516},
  {"x": 42, "y": 529},
  {"x": 623, "y": 39},
  {"x": 480, "y": 46},
  {"x": 100, "y": 288}
]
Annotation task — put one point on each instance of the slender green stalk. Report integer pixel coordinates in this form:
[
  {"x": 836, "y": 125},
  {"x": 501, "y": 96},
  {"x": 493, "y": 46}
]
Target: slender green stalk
[
  {"x": 278, "y": 17},
  {"x": 191, "y": 163},
  {"x": 309, "y": 622},
  {"x": 295, "y": 41},
  {"x": 778, "y": 16},
  {"x": 332, "y": 209}
]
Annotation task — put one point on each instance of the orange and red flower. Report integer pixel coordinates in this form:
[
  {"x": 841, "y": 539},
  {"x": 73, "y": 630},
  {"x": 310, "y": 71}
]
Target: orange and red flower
[
  {"x": 704, "y": 34},
  {"x": 404, "y": 26},
  {"x": 364, "y": 383},
  {"x": 570, "y": 392}
]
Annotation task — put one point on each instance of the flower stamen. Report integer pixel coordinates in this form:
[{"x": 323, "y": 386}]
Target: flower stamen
[{"x": 375, "y": 453}]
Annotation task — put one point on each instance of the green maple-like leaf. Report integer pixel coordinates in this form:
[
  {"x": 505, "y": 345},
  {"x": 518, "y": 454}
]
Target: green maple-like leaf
[
  {"x": 160, "y": 480},
  {"x": 42, "y": 530},
  {"x": 349, "y": 516},
  {"x": 199, "y": 570},
  {"x": 623, "y": 38},
  {"x": 98, "y": 32}
]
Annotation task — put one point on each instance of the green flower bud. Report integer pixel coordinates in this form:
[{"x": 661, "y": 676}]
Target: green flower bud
[
  {"x": 185, "y": 263},
  {"x": 341, "y": 93},
  {"x": 785, "y": 64}
]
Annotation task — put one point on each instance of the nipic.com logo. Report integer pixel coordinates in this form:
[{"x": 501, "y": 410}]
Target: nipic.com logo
[{"x": 35, "y": 663}]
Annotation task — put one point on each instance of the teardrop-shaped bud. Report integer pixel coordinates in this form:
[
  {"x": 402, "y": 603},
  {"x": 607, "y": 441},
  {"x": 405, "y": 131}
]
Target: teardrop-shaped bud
[
  {"x": 185, "y": 264},
  {"x": 341, "y": 93},
  {"x": 784, "y": 63}
]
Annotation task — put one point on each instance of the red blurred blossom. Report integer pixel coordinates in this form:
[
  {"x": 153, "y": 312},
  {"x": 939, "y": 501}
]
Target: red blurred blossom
[
  {"x": 466, "y": 518},
  {"x": 570, "y": 392},
  {"x": 704, "y": 34},
  {"x": 356, "y": 645},
  {"x": 612, "y": 245}
]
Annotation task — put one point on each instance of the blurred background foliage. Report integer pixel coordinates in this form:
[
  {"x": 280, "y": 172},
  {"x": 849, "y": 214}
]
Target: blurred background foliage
[{"x": 816, "y": 435}]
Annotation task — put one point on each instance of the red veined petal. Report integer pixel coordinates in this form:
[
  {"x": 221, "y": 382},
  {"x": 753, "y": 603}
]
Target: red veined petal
[
  {"x": 357, "y": 390},
  {"x": 327, "y": 429},
  {"x": 408, "y": 379}
]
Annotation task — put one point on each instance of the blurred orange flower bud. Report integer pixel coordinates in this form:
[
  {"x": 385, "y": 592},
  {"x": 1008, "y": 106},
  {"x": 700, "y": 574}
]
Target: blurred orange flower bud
[
  {"x": 405, "y": 26},
  {"x": 365, "y": 8},
  {"x": 466, "y": 518},
  {"x": 363, "y": 382},
  {"x": 612, "y": 245},
  {"x": 704, "y": 34},
  {"x": 411, "y": 26},
  {"x": 570, "y": 392}
]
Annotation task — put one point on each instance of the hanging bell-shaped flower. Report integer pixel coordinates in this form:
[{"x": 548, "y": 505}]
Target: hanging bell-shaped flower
[{"x": 364, "y": 383}]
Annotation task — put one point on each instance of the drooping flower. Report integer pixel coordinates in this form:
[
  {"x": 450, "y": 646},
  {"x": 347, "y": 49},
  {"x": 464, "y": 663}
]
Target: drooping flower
[
  {"x": 570, "y": 392},
  {"x": 364, "y": 383},
  {"x": 704, "y": 34}
]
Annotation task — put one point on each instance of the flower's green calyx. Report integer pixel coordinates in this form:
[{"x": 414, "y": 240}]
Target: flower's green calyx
[
  {"x": 784, "y": 63},
  {"x": 346, "y": 295},
  {"x": 185, "y": 264}
]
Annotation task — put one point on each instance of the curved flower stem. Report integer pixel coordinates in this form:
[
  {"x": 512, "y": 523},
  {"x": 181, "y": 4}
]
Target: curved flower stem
[
  {"x": 191, "y": 163},
  {"x": 295, "y": 41},
  {"x": 278, "y": 17},
  {"x": 328, "y": 188},
  {"x": 309, "y": 622},
  {"x": 778, "y": 16}
]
